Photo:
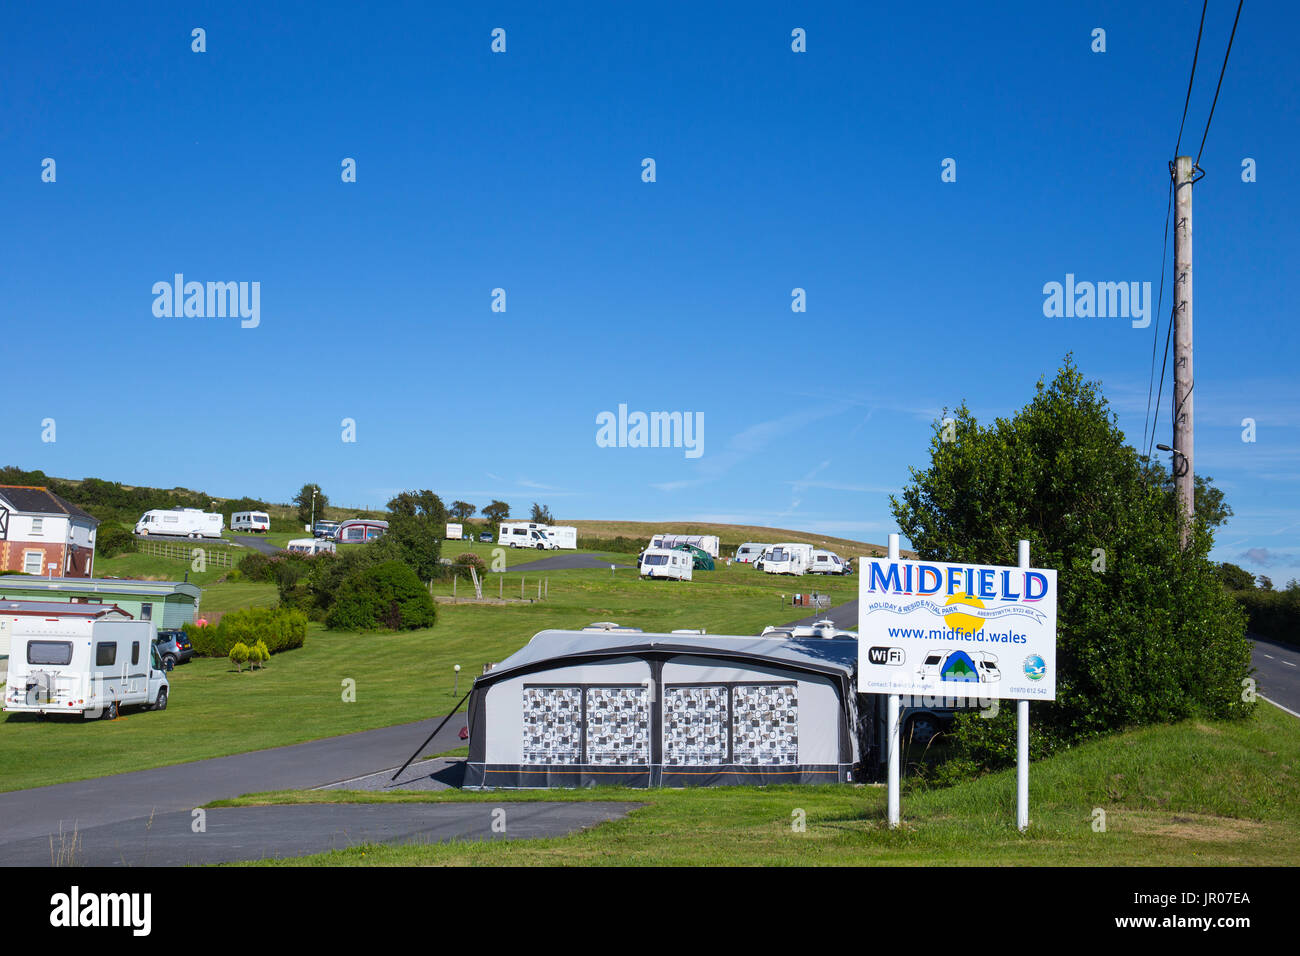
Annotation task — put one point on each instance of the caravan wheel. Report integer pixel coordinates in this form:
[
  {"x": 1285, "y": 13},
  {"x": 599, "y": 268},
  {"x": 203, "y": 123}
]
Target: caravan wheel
[
  {"x": 161, "y": 702},
  {"x": 111, "y": 712}
]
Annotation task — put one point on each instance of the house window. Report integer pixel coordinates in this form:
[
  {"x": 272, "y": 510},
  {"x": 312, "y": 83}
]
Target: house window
[
  {"x": 146, "y": 612},
  {"x": 38, "y": 526},
  {"x": 32, "y": 561}
]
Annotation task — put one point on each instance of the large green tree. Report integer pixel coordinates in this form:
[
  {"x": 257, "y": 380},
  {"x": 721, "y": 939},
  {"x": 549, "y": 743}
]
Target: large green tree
[
  {"x": 496, "y": 513},
  {"x": 303, "y": 500},
  {"x": 1145, "y": 630},
  {"x": 417, "y": 521}
]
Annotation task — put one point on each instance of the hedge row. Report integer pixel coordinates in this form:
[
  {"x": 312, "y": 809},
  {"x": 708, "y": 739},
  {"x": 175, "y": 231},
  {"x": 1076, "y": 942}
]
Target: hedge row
[
  {"x": 1274, "y": 614},
  {"x": 278, "y": 628}
]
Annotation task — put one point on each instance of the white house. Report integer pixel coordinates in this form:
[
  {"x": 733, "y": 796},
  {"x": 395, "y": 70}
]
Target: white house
[{"x": 42, "y": 534}]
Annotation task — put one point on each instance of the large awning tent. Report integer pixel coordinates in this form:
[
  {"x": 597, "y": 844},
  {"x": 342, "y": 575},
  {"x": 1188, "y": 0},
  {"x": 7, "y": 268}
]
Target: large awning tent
[{"x": 576, "y": 708}]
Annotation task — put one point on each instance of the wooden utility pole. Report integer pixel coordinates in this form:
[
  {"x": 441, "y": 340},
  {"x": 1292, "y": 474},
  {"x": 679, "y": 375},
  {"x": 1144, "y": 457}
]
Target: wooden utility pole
[{"x": 1184, "y": 475}]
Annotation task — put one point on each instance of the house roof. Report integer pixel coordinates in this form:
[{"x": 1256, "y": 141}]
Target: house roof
[
  {"x": 34, "y": 499},
  {"x": 124, "y": 587},
  {"x": 58, "y": 609}
]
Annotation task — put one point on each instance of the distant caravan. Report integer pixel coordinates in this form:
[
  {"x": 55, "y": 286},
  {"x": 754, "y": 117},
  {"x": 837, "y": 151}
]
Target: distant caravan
[
  {"x": 666, "y": 563},
  {"x": 187, "y": 522},
  {"x": 707, "y": 543},
  {"x": 256, "y": 521},
  {"x": 526, "y": 534},
  {"x": 788, "y": 559}
]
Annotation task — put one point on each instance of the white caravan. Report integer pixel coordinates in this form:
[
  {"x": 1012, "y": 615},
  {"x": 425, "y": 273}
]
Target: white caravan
[
  {"x": 564, "y": 536},
  {"x": 708, "y": 543},
  {"x": 257, "y": 521},
  {"x": 189, "y": 522},
  {"x": 311, "y": 546},
  {"x": 666, "y": 563},
  {"x": 455, "y": 532},
  {"x": 526, "y": 534},
  {"x": 788, "y": 559},
  {"x": 826, "y": 562},
  {"x": 749, "y": 552},
  {"x": 88, "y": 668}
]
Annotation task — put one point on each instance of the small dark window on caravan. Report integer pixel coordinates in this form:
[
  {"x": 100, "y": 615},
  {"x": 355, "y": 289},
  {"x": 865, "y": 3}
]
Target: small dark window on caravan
[
  {"x": 135, "y": 652},
  {"x": 49, "y": 652},
  {"x": 105, "y": 653}
]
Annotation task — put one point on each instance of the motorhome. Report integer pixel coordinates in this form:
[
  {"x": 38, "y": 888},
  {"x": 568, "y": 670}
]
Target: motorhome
[
  {"x": 526, "y": 534},
  {"x": 749, "y": 552},
  {"x": 256, "y": 521},
  {"x": 666, "y": 563},
  {"x": 91, "y": 668},
  {"x": 357, "y": 530},
  {"x": 455, "y": 531},
  {"x": 311, "y": 546},
  {"x": 827, "y": 562},
  {"x": 190, "y": 522},
  {"x": 564, "y": 536},
  {"x": 708, "y": 543},
  {"x": 788, "y": 558},
  {"x": 323, "y": 529}
]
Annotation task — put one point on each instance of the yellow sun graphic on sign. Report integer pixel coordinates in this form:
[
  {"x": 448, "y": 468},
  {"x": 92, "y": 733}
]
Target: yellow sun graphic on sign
[{"x": 964, "y": 622}]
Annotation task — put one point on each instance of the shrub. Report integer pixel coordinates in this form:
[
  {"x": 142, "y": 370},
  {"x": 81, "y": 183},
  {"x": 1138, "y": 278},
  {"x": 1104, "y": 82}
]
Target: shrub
[
  {"x": 112, "y": 539},
  {"x": 387, "y": 594},
  {"x": 257, "y": 566},
  {"x": 471, "y": 560},
  {"x": 279, "y": 629},
  {"x": 239, "y": 655}
]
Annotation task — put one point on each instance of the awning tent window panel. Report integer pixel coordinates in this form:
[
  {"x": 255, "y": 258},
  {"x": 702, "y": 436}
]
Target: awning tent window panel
[
  {"x": 696, "y": 725},
  {"x": 618, "y": 726},
  {"x": 765, "y": 728},
  {"x": 552, "y": 731}
]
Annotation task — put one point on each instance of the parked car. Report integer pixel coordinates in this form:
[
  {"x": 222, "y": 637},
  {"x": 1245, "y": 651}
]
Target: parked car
[
  {"x": 485, "y": 537},
  {"x": 173, "y": 648},
  {"x": 325, "y": 529}
]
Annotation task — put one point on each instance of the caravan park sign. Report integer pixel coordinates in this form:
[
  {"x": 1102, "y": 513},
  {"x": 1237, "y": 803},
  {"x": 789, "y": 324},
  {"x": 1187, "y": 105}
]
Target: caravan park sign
[{"x": 963, "y": 631}]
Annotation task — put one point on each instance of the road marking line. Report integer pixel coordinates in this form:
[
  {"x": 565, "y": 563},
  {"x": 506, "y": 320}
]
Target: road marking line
[
  {"x": 1288, "y": 664},
  {"x": 1269, "y": 656},
  {"x": 1279, "y": 706}
]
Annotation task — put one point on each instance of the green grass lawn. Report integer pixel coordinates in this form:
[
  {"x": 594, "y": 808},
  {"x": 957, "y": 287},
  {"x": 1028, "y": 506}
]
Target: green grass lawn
[
  {"x": 1224, "y": 793},
  {"x": 400, "y": 677},
  {"x": 149, "y": 568}
]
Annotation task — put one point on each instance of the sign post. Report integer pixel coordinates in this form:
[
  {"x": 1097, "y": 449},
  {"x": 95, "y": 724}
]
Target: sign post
[
  {"x": 957, "y": 634},
  {"x": 1022, "y": 728}
]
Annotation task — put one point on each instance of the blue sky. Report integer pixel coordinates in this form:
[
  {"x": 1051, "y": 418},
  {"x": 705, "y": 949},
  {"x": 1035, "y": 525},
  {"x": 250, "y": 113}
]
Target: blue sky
[{"x": 522, "y": 171}]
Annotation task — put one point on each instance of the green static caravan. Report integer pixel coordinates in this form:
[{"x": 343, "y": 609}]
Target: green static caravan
[
  {"x": 577, "y": 708},
  {"x": 168, "y": 604}
]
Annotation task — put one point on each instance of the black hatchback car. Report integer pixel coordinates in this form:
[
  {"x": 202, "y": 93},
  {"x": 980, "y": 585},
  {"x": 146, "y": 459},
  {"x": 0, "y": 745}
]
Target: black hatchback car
[{"x": 173, "y": 648}]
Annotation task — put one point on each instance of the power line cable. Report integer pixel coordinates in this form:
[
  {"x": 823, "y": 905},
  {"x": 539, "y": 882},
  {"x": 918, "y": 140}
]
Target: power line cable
[
  {"x": 1222, "y": 70},
  {"x": 1195, "y": 53}
]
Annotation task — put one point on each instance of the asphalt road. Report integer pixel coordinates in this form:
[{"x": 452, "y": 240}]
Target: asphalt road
[
  {"x": 563, "y": 562},
  {"x": 257, "y": 833},
  {"x": 1277, "y": 667},
  {"x": 117, "y": 799},
  {"x": 1277, "y": 670},
  {"x": 254, "y": 541}
]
